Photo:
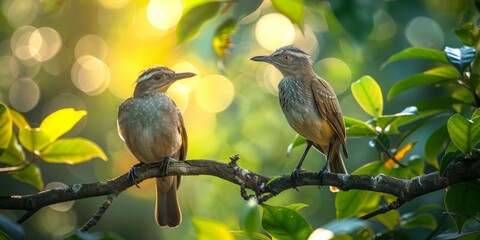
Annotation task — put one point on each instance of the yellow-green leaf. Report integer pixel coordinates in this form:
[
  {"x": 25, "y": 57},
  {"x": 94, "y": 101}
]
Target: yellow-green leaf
[
  {"x": 33, "y": 139},
  {"x": 29, "y": 175},
  {"x": 60, "y": 122},
  {"x": 19, "y": 119},
  {"x": 5, "y": 126},
  {"x": 13, "y": 154},
  {"x": 250, "y": 217},
  {"x": 193, "y": 18},
  {"x": 293, "y": 9},
  {"x": 422, "y": 53},
  {"x": 207, "y": 229},
  {"x": 285, "y": 223},
  {"x": 390, "y": 219},
  {"x": 464, "y": 133},
  {"x": 368, "y": 94},
  {"x": 359, "y": 128},
  {"x": 72, "y": 151}
]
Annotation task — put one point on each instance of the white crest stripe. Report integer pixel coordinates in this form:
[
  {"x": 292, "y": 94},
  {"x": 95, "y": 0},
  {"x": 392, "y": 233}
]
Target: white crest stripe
[{"x": 148, "y": 76}]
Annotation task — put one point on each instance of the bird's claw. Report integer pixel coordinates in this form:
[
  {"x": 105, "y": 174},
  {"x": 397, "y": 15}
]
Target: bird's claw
[
  {"x": 132, "y": 174},
  {"x": 164, "y": 167},
  {"x": 321, "y": 175},
  {"x": 294, "y": 176}
]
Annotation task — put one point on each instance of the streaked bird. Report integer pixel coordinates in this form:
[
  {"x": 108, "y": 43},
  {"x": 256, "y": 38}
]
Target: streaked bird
[
  {"x": 310, "y": 106},
  {"x": 152, "y": 127}
]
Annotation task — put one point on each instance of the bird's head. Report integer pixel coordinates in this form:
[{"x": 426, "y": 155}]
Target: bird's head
[
  {"x": 289, "y": 60},
  {"x": 157, "y": 79}
]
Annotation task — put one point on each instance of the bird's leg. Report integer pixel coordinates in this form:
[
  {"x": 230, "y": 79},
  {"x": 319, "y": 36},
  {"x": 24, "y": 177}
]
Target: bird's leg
[
  {"x": 298, "y": 168},
  {"x": 133, "y": 174},
  {"x": 321, "y": 173},
  {"x": 164, "y": 167}
]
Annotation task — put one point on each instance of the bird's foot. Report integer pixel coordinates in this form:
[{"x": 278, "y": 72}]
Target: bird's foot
[
  {"x": 132, "y": 174},
  {"x": 164, "y": 167},
  {"x": 321, "y": 175},
  {"x": 294, "y": 176}
]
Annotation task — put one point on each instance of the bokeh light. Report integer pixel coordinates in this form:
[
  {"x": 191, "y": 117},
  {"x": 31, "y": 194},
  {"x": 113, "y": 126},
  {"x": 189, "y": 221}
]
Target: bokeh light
[
  {"x": 384, "y": 27},
  {"x": 307, "y": 41},
  {"x": 179, "y": 94},
  {"x": 124, "y": 74},
  {"x": 334, "y": 71},
  {"x": 90, "y": 74},
  {"x": 55, "y": 223},
  {"x": 164, "y": 14},
  {"x": 273, "y": 31},
  {"x": 113, "y": 4},
  {"x": 20, "y": 12},
  {"x": 9, "y": 70},
  {"x": 271, "y": 78},
  {"x": 45, "y": 42},
  {"x": 63, "y": 206},
  {"x": 20, "y": 42},
  {"x": 424, "y": 32},
  {"x": 189, "y": 83},
  {"x": 91, "y": 45},
  {"x": 24, "y": 94},
  {"x": 214, "y": 93}
]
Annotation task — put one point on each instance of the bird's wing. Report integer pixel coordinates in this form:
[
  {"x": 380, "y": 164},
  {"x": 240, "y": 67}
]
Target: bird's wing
[
  {"x": 329, "y": 108},
  {"x": 183, "y": 150}
]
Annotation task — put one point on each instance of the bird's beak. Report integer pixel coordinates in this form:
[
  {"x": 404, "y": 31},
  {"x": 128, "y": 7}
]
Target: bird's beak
[
  {"x": 182, "y": 75},
  {"x": 261, "y": 59}
]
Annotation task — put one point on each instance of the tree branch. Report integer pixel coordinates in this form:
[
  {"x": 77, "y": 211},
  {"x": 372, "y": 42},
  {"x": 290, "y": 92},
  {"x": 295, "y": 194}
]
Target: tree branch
[{"x": 461, "y": 170}]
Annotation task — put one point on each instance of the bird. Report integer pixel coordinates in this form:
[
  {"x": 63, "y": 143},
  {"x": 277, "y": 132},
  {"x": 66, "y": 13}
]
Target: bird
[
  {"x": 311, "y": 108},
  {"x": 153, "y": 129}
]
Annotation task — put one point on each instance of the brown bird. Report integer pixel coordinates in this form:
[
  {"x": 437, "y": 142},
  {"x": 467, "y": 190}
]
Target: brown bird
[
  {"x": 152, "y": 127},
  {"x": 310, "y": 106}
]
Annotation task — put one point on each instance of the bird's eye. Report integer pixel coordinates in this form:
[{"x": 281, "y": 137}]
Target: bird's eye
[
  {"x": 287, "y": 58},
  {"x": 157, "y": 77}
]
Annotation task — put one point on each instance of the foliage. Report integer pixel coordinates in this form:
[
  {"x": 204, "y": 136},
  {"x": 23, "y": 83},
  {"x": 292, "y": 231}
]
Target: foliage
[{"x": 42, "y": 143}]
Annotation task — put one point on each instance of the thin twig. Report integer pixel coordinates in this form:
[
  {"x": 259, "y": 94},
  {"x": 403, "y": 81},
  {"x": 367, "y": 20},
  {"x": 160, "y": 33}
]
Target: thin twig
[
  {"x": 19, "y": 166},
  {"x": 99, "y": 214}
]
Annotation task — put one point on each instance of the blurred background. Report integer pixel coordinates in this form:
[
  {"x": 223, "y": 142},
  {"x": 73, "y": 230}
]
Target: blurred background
[{"x": 87, "y": 55}]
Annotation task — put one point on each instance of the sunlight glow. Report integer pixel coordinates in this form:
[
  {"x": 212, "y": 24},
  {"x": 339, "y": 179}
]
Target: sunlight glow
[
  {"x": 424, "y": 32},
  {"x": 321, "y": 234},
  {"x": 90, "y": 74},
  {"x": 273, "y": 31},
  {"x": 189, "y": 83},
  {"x": 179, "y": 94},
  {"x": 336, "y": 72},
  {"x": 214, "y": 93},
  {"x": 24, "y": 94},
  {"x": 91, "y": 45},
  {"x": 164, "y": 14}
]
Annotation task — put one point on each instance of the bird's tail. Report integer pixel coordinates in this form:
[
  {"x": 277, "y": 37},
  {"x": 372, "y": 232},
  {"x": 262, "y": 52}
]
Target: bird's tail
[
  {"x": 167, "y": 211},
  {"x": 336, "y": 164}
]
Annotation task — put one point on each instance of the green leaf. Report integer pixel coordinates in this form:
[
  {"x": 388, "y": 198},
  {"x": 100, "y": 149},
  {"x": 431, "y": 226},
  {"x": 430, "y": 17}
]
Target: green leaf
[
  {"x": 476, "y": 114},
  {"x": 5, "y": 126},
  {"x": 349, "y": 226},
  {"x": 19, "y": 119},
  {"x": 357, "y": 128},
  {"x": 297, "y": 206},
  {"x": 460, "y": 58},
  {"x": 33, "y": 139},
  {"x": 207, "y": 229},
  {"x": 368, "y": 94},
  {"x": 272, "y": 179},
  {"x": 358, "y": 202},
  {"x": 467, "y": 33},
  {"x": 463, "y": 132},
  {"x": 461, "y": 202},
  {"x": 255, "y": 236},
  {"x": 440, "y": 75},
  {"x": 464, "y": 95},
  {"x": 250, "y": 217},
  {"x": 381, "y": 142},
  {"x": 297, "y": 141},
  {"x": 13, "y": 154},
  {"x": 193, "y": 18},
  {"x": 355, "y": 16},
  {"x": 414, "y": 52},
  {"x": 293, "y": 9},
  {"x": 423, "y": 220},
  {"x": 435, "y": 145},
  {"x": 72, "y": 151},
  {"x": 60, "y": 122},
  {"x": 221, "y": 40},
  {"x": 386, "y": 120},
  {"x": 390, "y": 219},
  {"x": 449, "y": 157},
  {"x": 29, "y": 175},
  {"x": 284, "y": 223},
  {"x": 244, "y": 8},
  {"x": 467, "y": 234},
  {"x": 415, "y": 167}
]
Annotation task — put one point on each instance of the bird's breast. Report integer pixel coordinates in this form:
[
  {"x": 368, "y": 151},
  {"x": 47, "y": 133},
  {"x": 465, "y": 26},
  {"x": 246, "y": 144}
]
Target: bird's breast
[{"x": 150, "y": 127}]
